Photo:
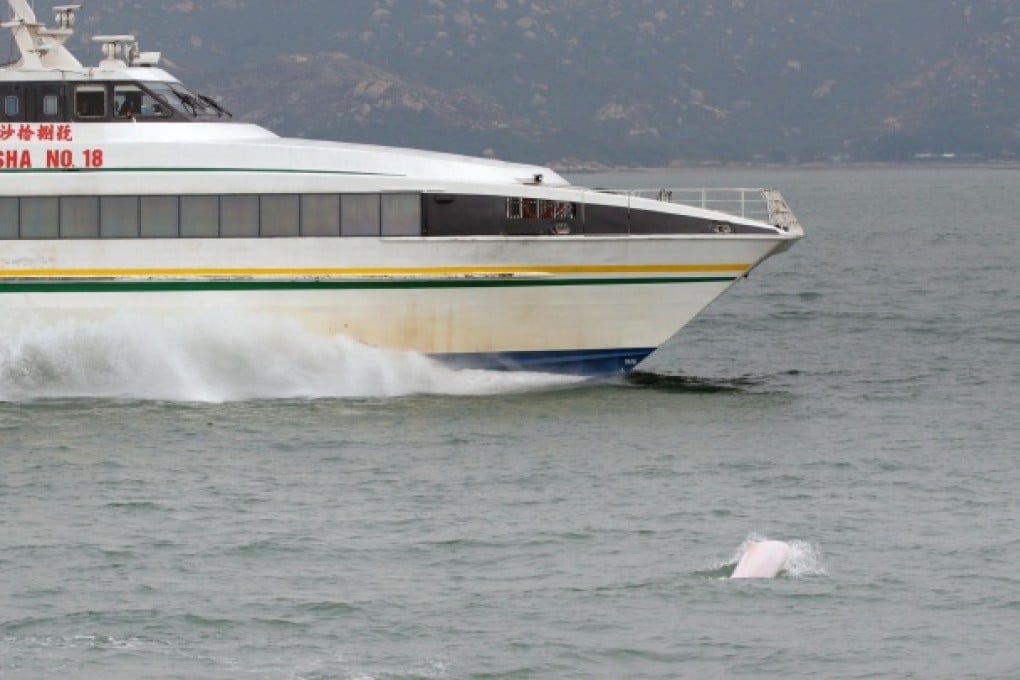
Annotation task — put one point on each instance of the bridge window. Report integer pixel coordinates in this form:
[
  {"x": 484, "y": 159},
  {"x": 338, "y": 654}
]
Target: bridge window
[
  {"x": 51, "y": 105},
  {"x": 90, "y": 101},
  {"x": 12, "y": 105},
  {"x": 131, "y": 101},
  {"x": 127, "y": 101}
]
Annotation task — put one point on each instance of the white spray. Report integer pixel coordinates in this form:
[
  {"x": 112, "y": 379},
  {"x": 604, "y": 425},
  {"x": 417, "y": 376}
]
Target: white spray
[{"x": 218, "y": 357}]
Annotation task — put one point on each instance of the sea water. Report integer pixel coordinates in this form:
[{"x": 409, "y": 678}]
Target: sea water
[{"x": 234, "y": 499}]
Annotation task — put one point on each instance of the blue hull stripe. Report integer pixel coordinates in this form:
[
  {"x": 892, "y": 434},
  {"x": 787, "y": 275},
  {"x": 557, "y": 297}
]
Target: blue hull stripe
[{"x": 581, "y": 362}]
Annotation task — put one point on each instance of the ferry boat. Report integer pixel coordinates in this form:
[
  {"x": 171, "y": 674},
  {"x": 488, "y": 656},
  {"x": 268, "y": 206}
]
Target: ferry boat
[{"x": 124, "y": 191}]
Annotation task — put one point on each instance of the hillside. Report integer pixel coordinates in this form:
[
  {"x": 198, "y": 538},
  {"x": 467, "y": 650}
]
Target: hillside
[{"x": 617, "y": 82}]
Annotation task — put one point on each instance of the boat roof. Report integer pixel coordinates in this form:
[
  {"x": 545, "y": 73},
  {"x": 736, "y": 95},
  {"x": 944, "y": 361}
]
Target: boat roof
[{"x": 115, "y": 71}]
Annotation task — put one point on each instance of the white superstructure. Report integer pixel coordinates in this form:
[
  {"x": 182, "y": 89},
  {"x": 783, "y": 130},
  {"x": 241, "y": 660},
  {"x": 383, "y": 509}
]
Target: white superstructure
[{"x": 120, "y": 189}]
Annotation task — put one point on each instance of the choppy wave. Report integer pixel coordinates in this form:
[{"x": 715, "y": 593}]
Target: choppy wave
[{"x": 219, "y": 358}]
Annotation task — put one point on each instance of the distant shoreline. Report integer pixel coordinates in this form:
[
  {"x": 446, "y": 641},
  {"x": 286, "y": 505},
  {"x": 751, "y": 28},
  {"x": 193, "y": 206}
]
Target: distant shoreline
[{"x": 779, "y": 167}]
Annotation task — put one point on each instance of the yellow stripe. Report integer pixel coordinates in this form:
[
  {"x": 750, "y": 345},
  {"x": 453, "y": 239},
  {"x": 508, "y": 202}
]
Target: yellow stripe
[{"x": 369, "y": 272}]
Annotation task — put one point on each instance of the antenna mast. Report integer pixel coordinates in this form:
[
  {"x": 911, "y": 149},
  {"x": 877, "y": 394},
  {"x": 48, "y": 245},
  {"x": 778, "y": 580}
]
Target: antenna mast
[{"x": 41, "y": 47}]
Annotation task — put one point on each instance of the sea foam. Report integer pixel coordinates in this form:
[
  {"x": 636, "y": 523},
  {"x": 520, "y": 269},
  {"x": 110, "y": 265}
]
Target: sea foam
[{"x": 216, "y": 357}]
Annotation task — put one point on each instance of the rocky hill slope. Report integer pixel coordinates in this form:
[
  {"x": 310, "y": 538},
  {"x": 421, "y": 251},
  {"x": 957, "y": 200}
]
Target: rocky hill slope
[{"x": 617, "y": 82}]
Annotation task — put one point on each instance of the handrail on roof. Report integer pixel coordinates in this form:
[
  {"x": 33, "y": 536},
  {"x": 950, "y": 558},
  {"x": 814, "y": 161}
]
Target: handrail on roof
[{"x": 765, "y": 205}]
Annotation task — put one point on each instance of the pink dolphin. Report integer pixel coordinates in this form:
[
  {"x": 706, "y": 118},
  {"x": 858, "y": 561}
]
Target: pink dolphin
[{"x": 762, "y": 559}]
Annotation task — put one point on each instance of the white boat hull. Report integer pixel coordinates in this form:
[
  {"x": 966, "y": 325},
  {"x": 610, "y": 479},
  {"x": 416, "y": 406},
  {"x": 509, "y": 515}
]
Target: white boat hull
[
  {"x": 585, "y": 305},
  {"x": 122, "y": 191}
]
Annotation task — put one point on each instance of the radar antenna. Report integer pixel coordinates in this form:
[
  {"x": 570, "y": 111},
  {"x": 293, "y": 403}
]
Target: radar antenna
[{"x": 122, "y": 50}]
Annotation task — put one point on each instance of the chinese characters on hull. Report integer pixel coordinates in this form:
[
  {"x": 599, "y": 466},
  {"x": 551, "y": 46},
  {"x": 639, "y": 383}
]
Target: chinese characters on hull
[{"x": 36, "y": 132}]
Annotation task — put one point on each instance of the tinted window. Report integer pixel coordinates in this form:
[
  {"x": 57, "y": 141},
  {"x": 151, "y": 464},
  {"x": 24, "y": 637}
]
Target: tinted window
[
  {"x": 79, "y": 217},
  {"x": 119, "y": 217},
  {"x": 159, "y": 215},
  {"x": 320, "y": 215},
  {"x": 200, "y": 216},
  {"x": 90, "y": 101},
  {"x": 279, "y": 215},
  {"x": 211, "y": 216},
  {"x": 359, "y": 215},
  {"x": 8, "y": 218},
  {"x": 40, "y": 218},
  {"x": 131, "y": 101},
  {"x": 239, "y": 216},
  {"x": 401, "y": 215},
  {"x": 51, "y": 105}
]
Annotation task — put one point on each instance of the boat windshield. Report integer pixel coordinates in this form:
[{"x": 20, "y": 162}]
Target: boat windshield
[{"x": 187, "y": 102}]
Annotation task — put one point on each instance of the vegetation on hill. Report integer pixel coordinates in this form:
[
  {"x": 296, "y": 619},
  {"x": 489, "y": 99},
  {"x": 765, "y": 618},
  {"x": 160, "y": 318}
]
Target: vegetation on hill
[{"x": 615, "y": 82}]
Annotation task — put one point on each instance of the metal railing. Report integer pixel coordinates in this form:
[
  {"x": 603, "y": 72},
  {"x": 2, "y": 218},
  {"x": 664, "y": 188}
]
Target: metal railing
[
  {"x": 765, "y": 205},
  {"x": 749, "y": 203}
]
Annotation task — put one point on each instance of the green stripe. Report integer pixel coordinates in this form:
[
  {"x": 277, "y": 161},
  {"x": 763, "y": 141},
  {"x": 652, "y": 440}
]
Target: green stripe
[{"x": 235, "y": 285}]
